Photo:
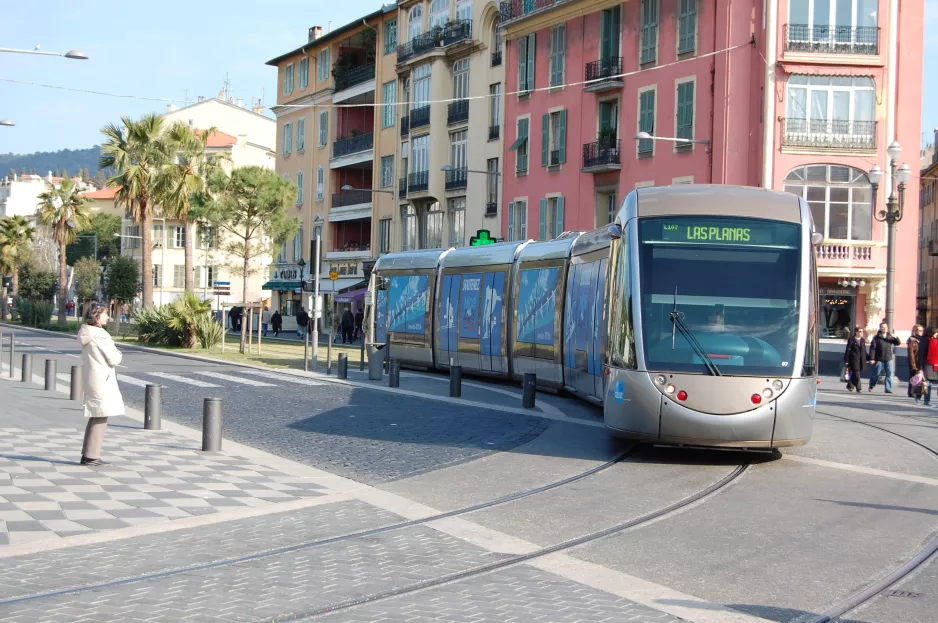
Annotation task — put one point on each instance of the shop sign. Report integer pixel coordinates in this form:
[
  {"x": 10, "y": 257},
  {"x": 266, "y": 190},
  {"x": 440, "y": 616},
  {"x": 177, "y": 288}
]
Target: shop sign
[{"x": 829, "y": 291}]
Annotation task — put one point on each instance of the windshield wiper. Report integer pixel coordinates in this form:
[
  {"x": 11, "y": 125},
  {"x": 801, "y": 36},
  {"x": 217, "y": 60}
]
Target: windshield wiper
[{"x": 677, "y": 321}]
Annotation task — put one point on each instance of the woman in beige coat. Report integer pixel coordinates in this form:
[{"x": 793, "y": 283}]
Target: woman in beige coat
[{"x": 99, "y": 358}]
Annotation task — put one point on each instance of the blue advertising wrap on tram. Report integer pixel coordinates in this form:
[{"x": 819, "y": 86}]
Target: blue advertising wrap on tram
[
  {"x": 469, "y": 305},
  {"x": 407, "y": 304},
  {"x": 449, "y": 304},
  {"x": 381, "y": 317},
  {"x": 493, "y": 297},
  {"x": 536, "y": 304}
]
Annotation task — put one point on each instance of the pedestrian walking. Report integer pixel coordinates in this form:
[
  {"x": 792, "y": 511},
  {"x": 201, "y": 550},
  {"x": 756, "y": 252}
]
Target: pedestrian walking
[
  {"x": 302, "y": 321},
  {"x": 125, "y": 312},
  {"x": 102, "y": 396},
  {"x": 912, "y": 346},
  {"x": 276, "y": 323},
  {"x": 348, "y": 326},
  {"x": 882, "y": 356},
  {"x": 359, "y": 322},
  {"x": 853, "y": 359},
  {"x": 265, "y": 320},
  {"x": 928, "y": 362}
]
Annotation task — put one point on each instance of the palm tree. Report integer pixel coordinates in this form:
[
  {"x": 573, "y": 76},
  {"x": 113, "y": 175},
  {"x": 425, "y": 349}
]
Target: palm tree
[
  {"x": 180, "y": 186},
  {"x": 138, "y": 152},
  {"x": 16, "y": 234},
  {"x": 184, "y": 313},
  {"x": 65, "y": 212}
]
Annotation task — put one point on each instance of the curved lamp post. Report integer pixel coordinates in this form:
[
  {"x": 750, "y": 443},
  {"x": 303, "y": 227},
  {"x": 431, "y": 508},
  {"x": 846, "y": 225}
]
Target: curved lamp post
[
  {"x": 72, "y": 54},
  {"x": 645, "y": 136}
]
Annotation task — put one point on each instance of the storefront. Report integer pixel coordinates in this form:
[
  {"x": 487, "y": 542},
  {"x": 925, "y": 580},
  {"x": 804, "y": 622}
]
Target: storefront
[
  {"x": 838, "y": 311},
  {"x": 287, "y": 295}
]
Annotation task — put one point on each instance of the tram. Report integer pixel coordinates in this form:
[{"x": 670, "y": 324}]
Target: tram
[{"x": 692, "y": 318}]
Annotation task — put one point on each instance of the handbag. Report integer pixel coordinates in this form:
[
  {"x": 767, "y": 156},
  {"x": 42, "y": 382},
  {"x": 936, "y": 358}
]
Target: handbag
[{"x": 845, "y": 374}]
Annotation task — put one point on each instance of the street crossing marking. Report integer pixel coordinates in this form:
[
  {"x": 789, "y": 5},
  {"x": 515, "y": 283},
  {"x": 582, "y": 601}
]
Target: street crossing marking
[
  {"x": 234, "y": 379},
  {"x": 123, "y": 378},
  {"x": 180, "y": 379},
  {"x": 286, "y": 378}
]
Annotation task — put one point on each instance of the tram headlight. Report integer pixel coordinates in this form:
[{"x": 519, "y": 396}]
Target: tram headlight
[
  {"x": 777, "y": 385},
  {"x": 669, "y": 389},
  {"x": 766, "y": 393},
  {"x": 661, "y": 379}
]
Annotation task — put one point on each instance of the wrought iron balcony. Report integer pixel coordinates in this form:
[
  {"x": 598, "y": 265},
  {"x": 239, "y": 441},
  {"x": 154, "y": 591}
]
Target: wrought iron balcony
[
  {"x": 418, "y": 181},
  {"x": 829, "y": 134},
  {"x": 604, "y": 74},
  {"x": 405, "y": 125},
  {"x": 457, "y": 178},
  {"x": 457, "y": 31},
  {"x": 354, "y": 76},
  {"x": 351, "y": 197},
  {"x": 511, "y": 10},
  {"x": 402, "y": 187},
  {"x": 458, "y": 111},
  {"x": 353, "y": 144},
  {"x": 420, "y": 116},
  {"x": 496, "y": 58},
  {"x": 494, "y": 132},
  {"x": 417, "y": 45},
  {"x": 831, "y": 39},
  {"x": 602, "y": 155}
]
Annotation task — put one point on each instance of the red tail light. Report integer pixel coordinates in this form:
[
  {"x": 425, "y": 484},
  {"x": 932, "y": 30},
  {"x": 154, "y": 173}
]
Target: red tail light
[
  {"x": 682, "y": 395},
  {"x": 756, "y": 399}
]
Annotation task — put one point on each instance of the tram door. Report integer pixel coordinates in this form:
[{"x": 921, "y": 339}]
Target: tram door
[
  {"x": 471, "y": 318},
  {"x": 449, "y": 305},
  {"x": 583, "y": 326}
]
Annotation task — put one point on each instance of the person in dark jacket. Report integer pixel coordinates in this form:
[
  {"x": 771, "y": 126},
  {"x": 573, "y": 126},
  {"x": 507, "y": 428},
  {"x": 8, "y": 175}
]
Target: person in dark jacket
[
  {"x": 928, "y": 360},
  {"x": 912, "y": 345},
  {"x": 359, "y": 321},
  {"x": 853, "y": 359},
  {"x": 276, "y": 323},
  {"x": 882, "y": 356},
  {"x": 302, "y": 322},
  {"x": 348, "y": 326}
]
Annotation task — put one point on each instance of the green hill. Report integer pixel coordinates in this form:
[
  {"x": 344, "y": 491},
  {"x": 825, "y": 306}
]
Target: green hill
[{"x": 41, "y": 162}]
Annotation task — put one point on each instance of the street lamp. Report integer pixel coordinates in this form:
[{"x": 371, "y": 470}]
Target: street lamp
[
  {"x": 446, "y": 168},
  {"x": 366, "y": 190},
  {"x": 7, "y": 123},
  {"x": 72, "y": 54},
  {"x": 317, "y": 306},
  {"x": 898, "y": 177},
  {"x": 645, "y": 136}
]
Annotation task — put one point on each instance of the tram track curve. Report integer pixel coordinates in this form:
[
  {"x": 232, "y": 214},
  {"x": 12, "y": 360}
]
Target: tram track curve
[
  {"x": 233, "y": 560},
  {"x": 867, "y": 593}
]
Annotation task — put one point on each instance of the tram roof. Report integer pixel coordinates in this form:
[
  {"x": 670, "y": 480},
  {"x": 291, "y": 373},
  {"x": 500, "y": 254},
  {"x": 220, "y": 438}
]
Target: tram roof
[
  {"x": 485, "y": 255},
  {"x": 558, "y": 248},
  {"x": 718, "y": 199},
  {"x": 408, "y": 260}
]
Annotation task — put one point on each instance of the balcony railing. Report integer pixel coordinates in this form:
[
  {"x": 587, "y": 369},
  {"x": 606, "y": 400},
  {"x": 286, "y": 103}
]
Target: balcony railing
[
  {"x": 402, "y": 187},
  {"x": 602, "y": 153},
  {"x": 457, "y": 31},
  {"x": 418, "y": 181},
  {"x": 494, "y": 132},
  {"x": 420, "y": 116},
  {"x": 829, "y": 134},
  {"x": 354, "y": 76},
  {"x": 830, "y": 39},
  {"x": 352, "y": 247},
  {"x": 417, "y": 45},
  {"x": 458, "y": 111},
  {"x": 405, "y": 125},
  {"x": 351, "y": 197},
  {"x": 862, "y": 253},
  {"x": 515, "y": 9},
  {"x": 457, "y": 178},
  {"x": 353, "y": 144},
  {"x": 603, "y": 70},
  {"x": 496, "y": 58}
]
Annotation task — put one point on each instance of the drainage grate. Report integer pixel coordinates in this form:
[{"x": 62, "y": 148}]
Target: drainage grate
[{"x": 895, "y": 593}]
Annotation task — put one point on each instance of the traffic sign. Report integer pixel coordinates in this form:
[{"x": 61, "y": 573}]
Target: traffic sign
[
  {"x": 368, "y": 297},
  {"x": 482, "y": 237},
  {"x": 333, "y": 276}
]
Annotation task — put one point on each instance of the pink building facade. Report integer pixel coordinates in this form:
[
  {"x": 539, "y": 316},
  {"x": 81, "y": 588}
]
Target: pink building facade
[{"x": 583, "y": 77}]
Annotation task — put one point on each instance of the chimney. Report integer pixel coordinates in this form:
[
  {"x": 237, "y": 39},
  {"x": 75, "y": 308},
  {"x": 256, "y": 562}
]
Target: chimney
[
  {"x": 240, "y": 103},
  {"x": 231, "y": 100},
  {"x": 258, "y": 108},
  {"x": 201, "y": 98},
  {"x": 315, "y": 32},
  {"x": 170, "y": 108},
  {"x": 221, "y": 95},
  {"x": 330, "y": 26}
]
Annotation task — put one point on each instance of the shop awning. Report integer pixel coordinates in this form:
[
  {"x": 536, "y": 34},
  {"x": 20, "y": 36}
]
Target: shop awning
[
  {"x": 340, "y": 285},
  {"x": 281, "y": 285},
  {"x": 351, "y": 295}
]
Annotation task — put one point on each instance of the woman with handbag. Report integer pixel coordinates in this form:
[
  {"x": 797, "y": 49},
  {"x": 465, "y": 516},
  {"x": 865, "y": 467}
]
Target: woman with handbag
[
  {"x": 928, "y": 362},
  {"x": 102, "y": 396},
  {"x": 854, "y": 357}
]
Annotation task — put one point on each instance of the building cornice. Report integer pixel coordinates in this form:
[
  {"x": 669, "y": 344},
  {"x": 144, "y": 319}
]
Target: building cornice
[
  {"x": 319, "y": 97},
  {"x": 553, "y": 16}
]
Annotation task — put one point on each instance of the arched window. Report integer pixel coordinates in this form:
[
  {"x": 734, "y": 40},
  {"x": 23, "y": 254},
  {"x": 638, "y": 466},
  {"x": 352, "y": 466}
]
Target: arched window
[
  {"x": 408, "y": 228},
  {"x": 840, "y": 199},
  {"x": 415, "y": 22},
  {"x": 439, "y": 13}
]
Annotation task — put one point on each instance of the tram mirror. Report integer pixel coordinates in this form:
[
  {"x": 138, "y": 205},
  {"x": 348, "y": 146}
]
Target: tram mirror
[
  {"x": 382, "y": 283},
  {"x": 817, "y": 238},
  {"x": 614, "y": 231}
]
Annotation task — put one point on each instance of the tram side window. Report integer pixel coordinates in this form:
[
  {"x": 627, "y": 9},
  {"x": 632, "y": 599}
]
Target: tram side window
[
  {"x": 811, "y": 345},
  {"x": 621, "y": 335}
]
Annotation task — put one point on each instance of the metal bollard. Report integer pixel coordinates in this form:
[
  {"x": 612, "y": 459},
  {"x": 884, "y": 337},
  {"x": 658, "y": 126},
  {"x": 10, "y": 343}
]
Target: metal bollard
[
  {"x": 394, "y": 376},
  {"x": 343, "y": 366},
  {"x": 455, "y": 381},
  {"x": 211, "y": 425},
  {"x": 12, "y": 352},
  {"x": 375, "y": 363},
  {"x": 153, "y": 407},
  {"x": 529, "y": 389},
  {"x": 76, "y": 392},
  {"x": 51, "y": 367},
  {"x": 27, "y": 368}
]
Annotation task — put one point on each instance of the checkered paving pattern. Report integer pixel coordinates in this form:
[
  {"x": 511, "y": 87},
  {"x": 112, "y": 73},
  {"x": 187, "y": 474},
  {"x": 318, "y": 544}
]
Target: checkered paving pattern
[{"x": 150, "y": 477}]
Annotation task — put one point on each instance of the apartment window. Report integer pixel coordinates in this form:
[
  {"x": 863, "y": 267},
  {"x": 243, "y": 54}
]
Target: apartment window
[
  {"x": 830, "y": 105},
  {"x": 421, "y": 85},
  {"x": 518, "y": 220},
  {"x": 610, "y": 32},
  {"x": 179, "y": 276},
  {"x": 554, "y": 138},
  {"x": 299, "y": 188},
  {"x": 439, "y": 13},
  {"x": 491, "y": 183},
  {"x": 384, "y": 236},
  {"x": 387, "y": 171},
  {"x": 206, "y": 276},
  {"x": 520, "y": 146},
  {"x": 389, "y": 97},
  {"x": 839, "y": 197},
  {"x": 302, "y": 79},
  {"x": 421, "y": 155},
  {"x": 685, "y": 113},
  {"x": 558, "y": 49},
  {"x": 495, "y": 105},
  {"x": 649, "y": 31},
  {"x": 461, "y": 79},
  {"x": 323, "y": 68},
  {"x": 550, "y": 218},
  {"x": 179, "y": 237},
  {"x": 157, "y": 275},
  {"x": 821, "y": 20},
  {"x": 390, "y": 36},
  {"x": 415, "y": 22},
  {"x": 457, "y": 222},
  {"x": 323, "y": 127},
  {"x": 458, "y": 149},
  {"x": 282, "y": 255},
  {"x": 646, "y": 120},
  {"x": 526, "y": 63},
  {"x": 288, "y": 79},
  {"x": 433, "y": 226},
  {"x": 156, "y": 235},
  {"x": 287, "y": 139},
  {"x": 687, "y": 26},
  {"x": 612, "y": 208},
  {"x": 320, "y": 182},
  {"x": 298, "y": 244},
  {"x": 463, "y": 10},
  {"x": 408, "y": 228},
  {"x": 300, "y": 134},
  {"x": 132, "y": 237},
  {"x": 206, "y": 237}
]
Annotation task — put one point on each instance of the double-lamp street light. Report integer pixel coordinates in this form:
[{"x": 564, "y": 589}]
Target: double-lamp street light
[
  {"x": 898, "y": 178},
  {"x": 72, "y": 54}
]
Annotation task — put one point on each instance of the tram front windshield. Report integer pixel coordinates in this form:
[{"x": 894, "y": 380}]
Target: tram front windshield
[{"x": 734, "y": 282}]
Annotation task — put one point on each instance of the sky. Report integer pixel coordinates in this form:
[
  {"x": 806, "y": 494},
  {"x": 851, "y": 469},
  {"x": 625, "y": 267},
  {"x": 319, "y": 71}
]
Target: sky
[{"x": 174, "y": 50}]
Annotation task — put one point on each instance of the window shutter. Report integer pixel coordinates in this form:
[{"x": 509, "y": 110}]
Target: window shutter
[
  {"x": 562, "y": 139},
  {"x": 523, "y": 228},
  {"x": 687, "y": 26},
  {"x": 558, "y": 226},
  {"x": 511, "y": 220},
  {"x": 522, "y": 63},
  {"x": 545, "y": 140},
  {"x": 542, "y": 217},
  {"x": 685, "y": 110},
  {"x": 531, "y": 56}
]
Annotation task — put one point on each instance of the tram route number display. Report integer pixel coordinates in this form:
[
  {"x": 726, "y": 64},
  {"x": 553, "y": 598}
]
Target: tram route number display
[{"x": 723, "y": 231}]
